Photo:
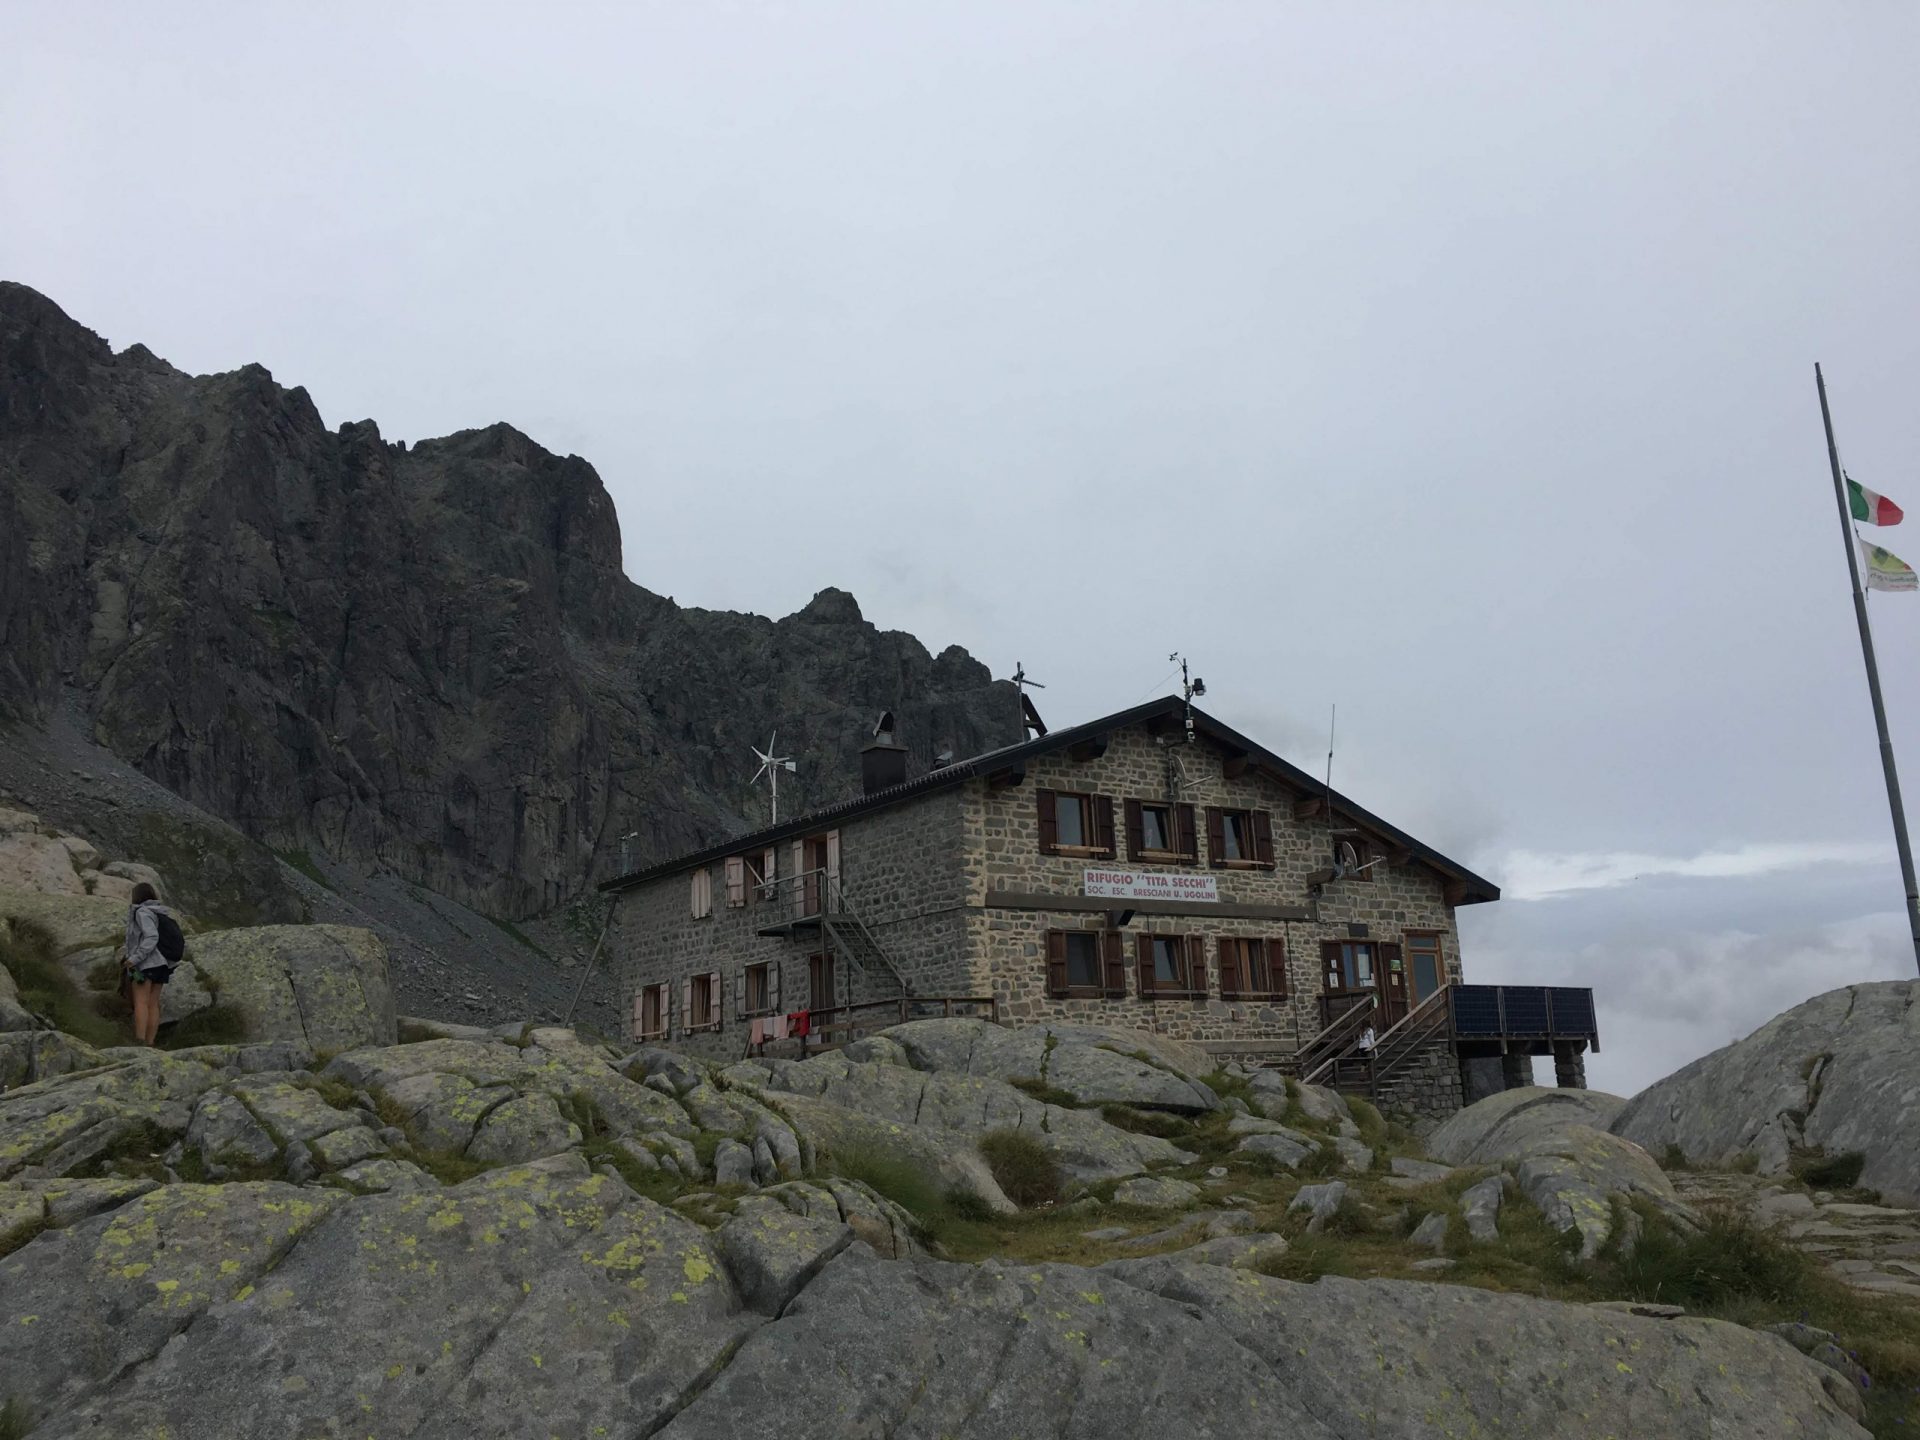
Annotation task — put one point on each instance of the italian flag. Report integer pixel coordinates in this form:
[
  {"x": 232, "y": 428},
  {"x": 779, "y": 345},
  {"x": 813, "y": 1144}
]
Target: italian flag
[{"x": 1872, "y": 508}]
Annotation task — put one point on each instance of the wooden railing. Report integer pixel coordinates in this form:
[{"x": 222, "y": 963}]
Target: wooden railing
[
  {"x": 835, "y": 1025},
  {"x": 1316, "y": 1059},
  {"x": 1430, "y": 1020}
]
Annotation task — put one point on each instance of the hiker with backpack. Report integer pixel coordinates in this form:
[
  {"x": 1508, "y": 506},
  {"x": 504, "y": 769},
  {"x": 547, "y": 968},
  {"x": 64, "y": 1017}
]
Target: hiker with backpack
[{"x": 155, "y": 946}]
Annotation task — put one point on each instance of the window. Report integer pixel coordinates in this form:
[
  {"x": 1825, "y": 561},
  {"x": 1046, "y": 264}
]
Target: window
[
  {"x": 1253, "y": 969},
  {"x": 1086, "y": 963},
  {"x": 736, "y": 871},
  {"x": 1170, "y": 965},
  {"x": 702, "y": 893},
  {"x": 701, "y": 1004},
  {"x": 1240, "y": 839},
  {"x": 1423, "y": 949},
  {"x": 650, "y": 1012},
  {"x": 1161, "y": 831},
  {"x": 1348, "y": 965},
  {"x": 1072, "y": 823},
  {"x": 756, "y": 990}
]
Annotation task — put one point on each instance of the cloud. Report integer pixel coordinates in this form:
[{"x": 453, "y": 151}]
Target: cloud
[{"x": 1543, "y": 875}]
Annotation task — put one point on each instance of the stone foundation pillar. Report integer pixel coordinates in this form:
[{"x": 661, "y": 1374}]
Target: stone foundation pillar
[
  {"x": 1570, "y": 1064},
  {"x": 1516, "y": 1071}
]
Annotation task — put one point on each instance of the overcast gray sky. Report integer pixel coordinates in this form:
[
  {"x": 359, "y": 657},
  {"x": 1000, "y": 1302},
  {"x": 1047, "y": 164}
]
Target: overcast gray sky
[{"x": 1452, "y": 362}]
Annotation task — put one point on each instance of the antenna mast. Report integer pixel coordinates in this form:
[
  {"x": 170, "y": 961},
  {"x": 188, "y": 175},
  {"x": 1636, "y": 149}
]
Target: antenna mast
[
  {"x": 1189, "y": 687},
  {"x": 1029, "y": 717}
]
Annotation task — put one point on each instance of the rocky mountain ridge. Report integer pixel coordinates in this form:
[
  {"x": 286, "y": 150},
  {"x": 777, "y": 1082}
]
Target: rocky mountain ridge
[{"x": 425, "y": 658}]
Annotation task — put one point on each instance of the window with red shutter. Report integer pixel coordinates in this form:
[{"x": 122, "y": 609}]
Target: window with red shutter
[
  {"x": 1076, "y": 823},
  {"x": 1160, "y": 832},
  {"x": 1240, "y": 839}
]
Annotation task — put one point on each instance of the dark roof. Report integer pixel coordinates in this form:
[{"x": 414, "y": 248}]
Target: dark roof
[{"x": 1474, "y": 887}]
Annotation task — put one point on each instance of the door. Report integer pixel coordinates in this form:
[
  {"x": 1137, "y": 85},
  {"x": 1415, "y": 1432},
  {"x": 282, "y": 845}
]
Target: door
[
  {"x": 813, "y": 864},
  {"x": 1391, "y": 973},
  {"x": 1425, "y": 973},
  {"x": 1347, "y": 978},
  {"x": 820, "y": 977}
]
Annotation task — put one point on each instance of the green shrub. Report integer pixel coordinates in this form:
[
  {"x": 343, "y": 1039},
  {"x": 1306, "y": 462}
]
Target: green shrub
[
  {"x": 1818, "y": 1171},
  {"x": 966, "y": 1206},
  {"x": 48, "y": 991},
  {"x": 412, "y": 1032},
  {"x": 1673, "y": 1158},
  {"x": 216, "y": 1025},
  {"x": 1230, "y": 1087},
  {"x": 906, "y": 1184},
  {"x": 1731, "y": 1259},
  {"x": 1373, "y": 1126},
  {"x": 1024, "y": 1167}
]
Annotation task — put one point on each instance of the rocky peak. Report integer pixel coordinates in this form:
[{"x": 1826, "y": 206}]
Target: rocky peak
[{"x": 427, "y": 659}]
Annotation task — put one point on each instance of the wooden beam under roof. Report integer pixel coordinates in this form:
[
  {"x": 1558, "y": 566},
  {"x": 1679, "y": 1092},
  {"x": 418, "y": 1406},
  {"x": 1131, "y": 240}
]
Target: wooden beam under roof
[{"x": 1091, "y": 748}]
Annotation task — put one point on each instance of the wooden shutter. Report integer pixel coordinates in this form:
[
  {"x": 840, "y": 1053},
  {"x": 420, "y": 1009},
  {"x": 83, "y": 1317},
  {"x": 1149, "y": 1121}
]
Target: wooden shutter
[
  {"x": 1197, "y": 964},
  {"x": 1230, "y": 979},
  {"x": 1216, "y": 836},
  {"x": 1143, "y": 965},
  {"x": 1113, "y": 954},
  {"x": 1135, "y": 830},
  {"x": 1056, "y": 963},
  {"x": 1049, "y": 823},
  {"x": 1184, "y": 838},
  {"x": 1277, "y": 965},
  {"x": 640, "y": 1013},
  {"x": 739, "y": 993},
  {"x": 773, "y": 986},
  {"x": 1102, "y": 808},
  {"x": 736, "y": 881},
  {"x": 717, "y": 1014},
  {"x": 1263, "y": 838},
  {"x": 832, "y": 900}
]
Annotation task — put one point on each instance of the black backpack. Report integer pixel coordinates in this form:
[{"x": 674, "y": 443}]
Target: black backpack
[{"x": 173, "y": 945}]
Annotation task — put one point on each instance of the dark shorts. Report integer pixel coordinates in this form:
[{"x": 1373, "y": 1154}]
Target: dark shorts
[{"x": 158, "y": 975}]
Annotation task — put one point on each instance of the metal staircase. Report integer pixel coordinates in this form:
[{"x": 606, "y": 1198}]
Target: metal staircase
[{"x": 856, "y": 944}]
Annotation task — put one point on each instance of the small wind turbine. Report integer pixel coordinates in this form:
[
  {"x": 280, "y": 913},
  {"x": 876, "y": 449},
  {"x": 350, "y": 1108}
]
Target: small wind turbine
[{"x": 770, "y": 766}]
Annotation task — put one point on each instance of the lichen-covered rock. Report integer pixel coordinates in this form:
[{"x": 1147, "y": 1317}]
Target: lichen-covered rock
[
  {"x": 1839, "y": 1073},
  {"x": 87, "y": 1304},
  {"x": 894, "y": 1100},
  {"x": 1156, "y": 1192},
  {"x": 68, "y": 1123},
  {"x": 324, "y": 985},
  {"x": 1096, "y": 1065},
  {"x": 1503, "y": 1126},
  {"x": 1288, "y": 1148},
  {"x": 30, "y": 1055},
  {"x": 939, "y": 1355},
  {"x": 1424, "y": 1171},
  {"x": 1480, "y": 1206},
  {"x": 69, "y": 922},
  {"x": 38, "y": 863},
  {"x": 771, "y": 1252},
  {"x": 1570, "y": 1170},
  {"x": 525, "y": 1127},
  {"x": 13, "y": 1015},
  {"x": 223, "y": 1131},
  {"x": 733, "y": 1164},
  {"x": 1319, "y": 1201}
]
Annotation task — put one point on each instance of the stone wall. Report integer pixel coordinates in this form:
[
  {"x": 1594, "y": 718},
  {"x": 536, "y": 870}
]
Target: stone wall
[
  {"x": 1008, "y": 949},
  {"x": 921, "y": 874},
  {"x": 1427, "y": 1088}
]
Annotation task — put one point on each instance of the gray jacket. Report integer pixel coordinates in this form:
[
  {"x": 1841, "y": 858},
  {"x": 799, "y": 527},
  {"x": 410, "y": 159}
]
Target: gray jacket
[{"x": 143, "y": 936}]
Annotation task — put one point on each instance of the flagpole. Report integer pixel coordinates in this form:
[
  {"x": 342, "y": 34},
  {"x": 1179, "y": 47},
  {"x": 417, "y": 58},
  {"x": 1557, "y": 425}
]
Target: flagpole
[{"x": 1851, "y": 541}]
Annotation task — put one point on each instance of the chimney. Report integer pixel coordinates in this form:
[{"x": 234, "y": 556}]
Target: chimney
[{"x": 883, "y": 763}]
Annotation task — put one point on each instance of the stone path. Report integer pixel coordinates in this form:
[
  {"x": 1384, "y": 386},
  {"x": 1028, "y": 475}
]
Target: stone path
[{"x": 1870, "y": 1247}]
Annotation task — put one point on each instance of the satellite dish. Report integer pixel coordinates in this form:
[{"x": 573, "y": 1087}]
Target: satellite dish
[{"x": 770, "y": 767}]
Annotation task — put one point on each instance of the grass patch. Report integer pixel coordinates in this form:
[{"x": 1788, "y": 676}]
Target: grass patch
[
  {"x": 1024, "y": 1168},
  {"x": 216, "y": 1025},
  {"x": 14, "y": 1420},
  {"x": 906, "y": 1184},
  {"x": 303, "y": 862},
  {"x": 657, "y": 1184},
  {"x": 336, "y": 1093},
  {"x": 1231, "y": 1087},
  {"x": 1372, "y": 1124},
  {"x": 1818, "y": 1171},
  {"x": 1732, "y": 1258},
  {"x": 1043, "y": 1092},
  {"x": 11, "y": 1243},
  {"x": 1147, "y": 1122},
  {"x": 447, "y": 1167},
  {"x": 412, "y": 1032},
  {"x": 49, "y": 992}
]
